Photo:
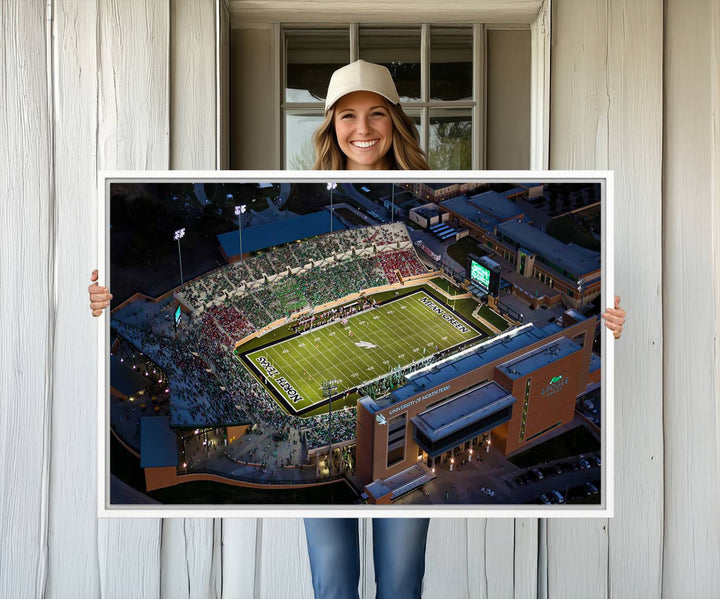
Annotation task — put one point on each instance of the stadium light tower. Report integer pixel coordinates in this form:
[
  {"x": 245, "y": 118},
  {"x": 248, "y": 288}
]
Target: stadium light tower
[
  {"x": 328, "y": 389},
  {"x": 179, "y": 234},
  {"x": 331, "y": 186},
  {"x": 239, "y": 211}
]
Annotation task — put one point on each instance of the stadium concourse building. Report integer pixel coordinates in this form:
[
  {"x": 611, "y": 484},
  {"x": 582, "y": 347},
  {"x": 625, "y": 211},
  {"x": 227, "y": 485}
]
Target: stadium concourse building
[
  {"x": 517, "y": 386},
  {"x": 502, "y": 229}
]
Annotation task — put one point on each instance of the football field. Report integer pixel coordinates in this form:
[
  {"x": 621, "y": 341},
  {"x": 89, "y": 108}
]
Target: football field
[{"x": 369, "y": 346}]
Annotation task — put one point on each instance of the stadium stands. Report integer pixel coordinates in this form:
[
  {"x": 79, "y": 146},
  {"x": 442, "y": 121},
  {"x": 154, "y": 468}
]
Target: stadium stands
[{"x": 207, "y": 385}]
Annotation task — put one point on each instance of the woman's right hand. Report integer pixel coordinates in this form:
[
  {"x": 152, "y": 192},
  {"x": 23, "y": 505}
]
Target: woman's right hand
[{"x": 99, "y": 296}]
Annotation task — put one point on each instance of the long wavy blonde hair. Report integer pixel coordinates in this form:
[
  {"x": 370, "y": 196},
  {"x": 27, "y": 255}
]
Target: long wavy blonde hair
[{"x": 405, "y": 153}]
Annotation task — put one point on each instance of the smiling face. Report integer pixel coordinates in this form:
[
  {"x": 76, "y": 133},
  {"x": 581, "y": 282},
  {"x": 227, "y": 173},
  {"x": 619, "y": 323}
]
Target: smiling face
[{"x": 364, "y": 130}]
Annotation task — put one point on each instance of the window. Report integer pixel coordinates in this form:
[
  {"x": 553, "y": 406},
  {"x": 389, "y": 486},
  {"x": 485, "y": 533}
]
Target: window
[
  {"x": 396, "y": 439},
  {"x": 481, "y": 94},
  {"x": 436, "y": 70}
]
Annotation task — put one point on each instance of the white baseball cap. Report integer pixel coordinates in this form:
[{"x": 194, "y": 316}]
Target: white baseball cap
[{"x": 361, "y": 76}]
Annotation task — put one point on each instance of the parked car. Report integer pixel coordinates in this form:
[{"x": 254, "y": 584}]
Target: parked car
[
  {"x": 545, "y": 499},
  {"x": 489, "y": 492},
  {"x": 538, "y": 475},
  {"x": 596, "y": 460},
  {"x": 591, "y": 489},
  {"x": 558, "y": 496},
  {"x": 590, "y": 406}
]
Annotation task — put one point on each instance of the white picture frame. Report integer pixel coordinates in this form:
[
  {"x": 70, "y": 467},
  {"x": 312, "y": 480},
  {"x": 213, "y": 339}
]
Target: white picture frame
[{"x": 604, "y": 509}]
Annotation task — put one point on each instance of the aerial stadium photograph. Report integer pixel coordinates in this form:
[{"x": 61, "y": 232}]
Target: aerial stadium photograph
[{"x": 335, "y": 343}]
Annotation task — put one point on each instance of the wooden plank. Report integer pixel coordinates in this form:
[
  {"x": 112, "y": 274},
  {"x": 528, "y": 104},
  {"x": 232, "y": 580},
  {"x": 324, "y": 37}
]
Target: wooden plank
[
  {"x": 27, "y": 317},
  {"x": 190, "y": 566},
  {"x": 715, "y": 207},
  {"x": 635, "y": 91},
  {"x": 577, "y": 564},
  {"x": 187, "y": 558},
  {"x": 575, "y": 552},
  {"x": 690, "y": 289},
  {"x": 447, "y": 558},
  {"x": 240, "y": 557},
  {"x": 525, "y": 567},
  {"x": 578, "y": 99},
  {"x": 222, "y": 16},
  {"x": 289, "y": 576},
  {"x": 542, "y": 571},
  {"x": 606, "y": 113},
  {"x": 133, "y": 126},
  {"x": 72, "y": 545},
  {"x": 490, "y": 557},
  {"x": 193, "y": 85},
  {"x": 216, "y": 568},
  {"x": 367, "y": 572}
]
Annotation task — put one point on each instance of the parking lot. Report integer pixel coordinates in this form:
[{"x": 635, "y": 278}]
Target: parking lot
[{"x": 507, "y": 484}]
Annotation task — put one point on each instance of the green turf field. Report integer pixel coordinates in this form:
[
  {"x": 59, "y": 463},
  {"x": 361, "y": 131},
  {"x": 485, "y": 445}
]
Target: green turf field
[{"x": 369, "y": 346}]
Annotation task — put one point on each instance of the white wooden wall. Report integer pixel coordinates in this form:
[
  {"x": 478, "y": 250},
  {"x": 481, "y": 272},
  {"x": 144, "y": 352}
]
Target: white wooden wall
[
  {"x": 607, "y": 113},
  {"x": 119, "y": 84}
]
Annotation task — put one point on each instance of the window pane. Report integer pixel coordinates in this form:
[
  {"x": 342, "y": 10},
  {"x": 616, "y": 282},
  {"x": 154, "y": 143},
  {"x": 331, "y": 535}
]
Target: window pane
[
  {"x": 398, "y": 50},
  {"x": 451, "y": 55},
  {"x": 311, "y": 58},
  {"x": 299, "y": 150},
  {"x": 450, "y": 139}
]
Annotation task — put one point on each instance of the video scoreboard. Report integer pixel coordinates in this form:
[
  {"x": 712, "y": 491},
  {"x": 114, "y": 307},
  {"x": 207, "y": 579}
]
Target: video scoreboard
[{"x": 485, "y": 273}]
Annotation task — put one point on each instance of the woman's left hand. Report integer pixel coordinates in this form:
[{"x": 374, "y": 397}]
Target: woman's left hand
[{"x": 615, "y": 318}]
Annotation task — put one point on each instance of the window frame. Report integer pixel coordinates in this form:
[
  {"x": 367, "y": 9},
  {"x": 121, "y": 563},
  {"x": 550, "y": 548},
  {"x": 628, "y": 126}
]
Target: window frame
[
  {"x": 270, "y": 13},
  {"x": 477, "y": 106}
]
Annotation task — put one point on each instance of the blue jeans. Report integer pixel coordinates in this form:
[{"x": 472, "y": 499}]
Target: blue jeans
[{"x": 398, "y": 552}]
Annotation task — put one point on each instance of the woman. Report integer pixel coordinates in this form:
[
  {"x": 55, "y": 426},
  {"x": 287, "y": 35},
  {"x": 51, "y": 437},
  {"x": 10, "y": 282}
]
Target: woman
[{"x": 365, "y": 129}]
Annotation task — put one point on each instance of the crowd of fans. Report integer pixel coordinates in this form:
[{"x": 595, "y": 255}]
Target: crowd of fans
[
  {"x": 343, "y": 428},
  {"x": 208, "y": 384},
  {"x": 404, "y": 262},
  {"x": 211, "y": 288},
  {"x": 231, "y": 321}
]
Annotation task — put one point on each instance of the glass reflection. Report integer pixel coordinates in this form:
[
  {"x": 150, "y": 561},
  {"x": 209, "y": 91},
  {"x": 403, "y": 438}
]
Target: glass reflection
[
  {"x": 299, "y": 149},
  {"x": 450, "y": 139},
  {"x": 311, "y": 58},
  {"x": 451, "y": 55},
  {"x": 399, "y": 50}
]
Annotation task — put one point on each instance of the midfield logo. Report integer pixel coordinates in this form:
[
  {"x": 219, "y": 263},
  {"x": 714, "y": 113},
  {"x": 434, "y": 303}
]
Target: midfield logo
[{"x": 381, "y": 419}]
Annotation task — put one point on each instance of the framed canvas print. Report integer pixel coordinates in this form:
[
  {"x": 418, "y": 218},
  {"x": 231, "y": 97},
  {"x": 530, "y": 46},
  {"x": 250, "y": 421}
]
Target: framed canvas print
[{"x": 343, "y": 344}]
